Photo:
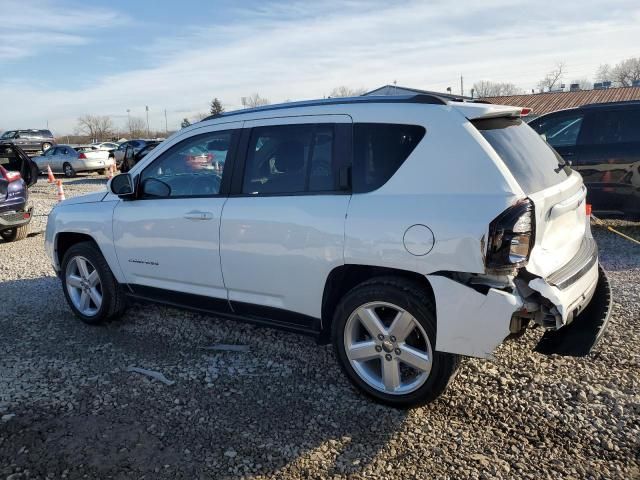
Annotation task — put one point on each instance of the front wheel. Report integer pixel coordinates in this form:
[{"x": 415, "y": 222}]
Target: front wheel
[
  {"x": 384, "y": 333},
  {"x": 90, "y": 288}
]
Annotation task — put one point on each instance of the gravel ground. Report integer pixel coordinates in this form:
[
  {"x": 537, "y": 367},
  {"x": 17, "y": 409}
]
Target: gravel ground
[{"x": 70, "y": 408}]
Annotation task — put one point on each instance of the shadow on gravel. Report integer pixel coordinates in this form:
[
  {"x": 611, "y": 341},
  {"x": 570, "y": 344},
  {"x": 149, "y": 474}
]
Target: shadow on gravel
[{"x": 81, "y": 411}]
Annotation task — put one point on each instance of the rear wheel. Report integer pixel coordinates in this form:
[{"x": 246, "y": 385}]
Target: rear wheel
[
  {"x": 46, "y": 146},
  {"x": 384, "y": 333},
  {"x": 68, "y": 170},
  {"x": 90, "y": 288},
  {"x": 15, "y": 234}
]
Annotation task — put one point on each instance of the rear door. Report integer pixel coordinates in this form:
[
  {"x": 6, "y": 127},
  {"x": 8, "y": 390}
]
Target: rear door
[
  {"x": 609, "y": 152},
  {"x": 283, "y": 226}
]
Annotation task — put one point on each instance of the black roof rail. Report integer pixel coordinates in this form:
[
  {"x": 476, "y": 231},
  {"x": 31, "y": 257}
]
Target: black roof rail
[{"x": 419, "y": 98}]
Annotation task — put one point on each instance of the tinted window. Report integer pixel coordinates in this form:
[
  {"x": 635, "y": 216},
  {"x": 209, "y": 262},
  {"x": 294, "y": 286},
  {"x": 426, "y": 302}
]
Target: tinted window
[
  {"x": 8, "y": 134},
  {"x": 533, "y": 163},
  {"x": 378, "y": 151},
  {"x": 615, "y": 126},
  {"x": 9, "y": 160},
  {"x": 190, "y": 168},
  {"x": 559, "y": 130},
  {"x": 288, "y": 159}
]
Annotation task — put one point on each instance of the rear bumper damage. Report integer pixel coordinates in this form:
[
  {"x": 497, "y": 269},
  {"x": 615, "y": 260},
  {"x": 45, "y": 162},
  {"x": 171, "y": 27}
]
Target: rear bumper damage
[
  {"x": 475, "y": 316},
  {"x": 15, "y": 218}
]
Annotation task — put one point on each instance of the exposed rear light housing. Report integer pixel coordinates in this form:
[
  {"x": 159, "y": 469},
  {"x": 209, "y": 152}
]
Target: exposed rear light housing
[
  {"x": 525, "y": 111},
  {"x": 82, "y": 156},
  {"x": 511, "y": 237}
]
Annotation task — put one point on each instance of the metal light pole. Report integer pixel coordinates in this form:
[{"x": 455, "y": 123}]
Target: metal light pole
[
  {"x": 128, "y": 121},
  {"x": 147, "y": 109}
]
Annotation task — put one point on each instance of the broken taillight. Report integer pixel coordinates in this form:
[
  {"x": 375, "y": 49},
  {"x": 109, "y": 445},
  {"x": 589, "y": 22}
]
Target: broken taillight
[
  {"x": 9, "y": 176},
  {"x": 511, "y": 237}
]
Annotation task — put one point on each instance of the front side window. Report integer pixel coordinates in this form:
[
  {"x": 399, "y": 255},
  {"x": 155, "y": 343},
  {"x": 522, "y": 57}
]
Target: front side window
[
  {"x": 379, "y": 149},
  {"x": 8, "y": 134},
  {"x": 188, "y": 169},
  {"x": 560, "y": 130},
  {"x": 290, "y": 159}
]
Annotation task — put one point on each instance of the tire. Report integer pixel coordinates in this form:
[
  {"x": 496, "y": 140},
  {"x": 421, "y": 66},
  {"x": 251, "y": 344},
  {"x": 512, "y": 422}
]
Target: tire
[
  {"x": 15, "y": 234},
  {"x": 383, "y": 295},
  {"x": 113, "y": 300},
  {"x": 68, "y": 170},
  {"x": 46, "y": 146}
]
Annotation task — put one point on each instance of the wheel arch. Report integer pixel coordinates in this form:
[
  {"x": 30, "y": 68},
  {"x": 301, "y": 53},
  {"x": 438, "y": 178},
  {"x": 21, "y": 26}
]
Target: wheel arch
[
  {"x": 65, "y": 240},
  {"x": 345, "y": 277}
]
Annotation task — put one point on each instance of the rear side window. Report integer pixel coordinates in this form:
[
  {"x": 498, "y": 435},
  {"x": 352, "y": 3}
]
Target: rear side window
[
  {"x": 533, "y": 163},
  {"x": 290, "y": 159},
  {"x": 379, "y": 149},
  {"x": 614, "y": 126},
  {"x": 559, "y": 130}
]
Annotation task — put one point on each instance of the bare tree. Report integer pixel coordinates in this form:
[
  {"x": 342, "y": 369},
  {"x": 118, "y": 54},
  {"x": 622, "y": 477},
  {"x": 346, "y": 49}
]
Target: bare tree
[
  {"x": 137, "y": 127},
  {"x": 626, "y": 72},
  {"x": 344, "y": 91},
  {"x": 604, "y": 73},
  {"x": 254, "y": 100},
  {"x": 216, "y": 107},
  {"x": 199, "y": 116},
  {"x": 96, "y": 127},
  {"x": 487, "y": 88},
  {"x": 583, "y": 83},
  {"x": 553, "y": 78}
]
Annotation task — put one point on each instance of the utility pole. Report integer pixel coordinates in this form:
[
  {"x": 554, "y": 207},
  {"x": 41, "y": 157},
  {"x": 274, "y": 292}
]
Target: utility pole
[
  {"x": 147, "y": 109},
  {"x": 461, "y": 86},
  {"x": 166, "y": 127}
]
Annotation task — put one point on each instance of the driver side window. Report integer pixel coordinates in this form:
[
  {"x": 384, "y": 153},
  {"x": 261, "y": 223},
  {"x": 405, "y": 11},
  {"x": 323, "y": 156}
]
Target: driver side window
[{"x": 191, "y": 168}]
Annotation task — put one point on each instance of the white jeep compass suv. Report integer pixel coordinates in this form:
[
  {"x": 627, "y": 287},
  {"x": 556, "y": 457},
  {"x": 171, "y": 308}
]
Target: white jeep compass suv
[{"x": 409, "y": 231}]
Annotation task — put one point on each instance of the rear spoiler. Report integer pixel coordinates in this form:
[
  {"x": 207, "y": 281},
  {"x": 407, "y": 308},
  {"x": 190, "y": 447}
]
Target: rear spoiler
[{"x": 475, "y": 111}]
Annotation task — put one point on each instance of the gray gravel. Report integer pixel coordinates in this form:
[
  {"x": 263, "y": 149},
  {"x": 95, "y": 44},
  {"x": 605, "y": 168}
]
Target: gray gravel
[{"x": 70, "y": 408}]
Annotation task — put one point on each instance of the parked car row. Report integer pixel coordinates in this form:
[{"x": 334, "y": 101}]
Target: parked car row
[{"x": 30, "y": 141}]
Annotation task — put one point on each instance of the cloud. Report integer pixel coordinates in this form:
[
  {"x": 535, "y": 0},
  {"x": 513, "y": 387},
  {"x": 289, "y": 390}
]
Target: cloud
[
  {"x": 303, "y": 50},
  {"x": 30, "y": 28}
]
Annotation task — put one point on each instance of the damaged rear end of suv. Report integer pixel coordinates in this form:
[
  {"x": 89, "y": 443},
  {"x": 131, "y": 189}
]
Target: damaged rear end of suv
[{"x": 539, "y": 253}]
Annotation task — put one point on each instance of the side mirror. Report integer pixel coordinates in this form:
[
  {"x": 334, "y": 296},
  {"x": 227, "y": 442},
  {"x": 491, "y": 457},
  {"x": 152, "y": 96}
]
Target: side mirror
[
  {"x": 152, "y": 187},
  {"x": 123, "y": 185}
]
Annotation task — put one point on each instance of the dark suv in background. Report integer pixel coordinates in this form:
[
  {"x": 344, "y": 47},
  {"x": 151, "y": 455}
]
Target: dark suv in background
[
  {"x": 602, "y": 142},
  {"x": 30, "y": 140},
  {"x": 17, "y": 173}
]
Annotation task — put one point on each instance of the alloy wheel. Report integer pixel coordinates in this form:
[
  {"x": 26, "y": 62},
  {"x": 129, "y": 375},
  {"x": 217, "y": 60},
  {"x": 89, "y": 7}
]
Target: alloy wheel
[
  {"x": 84, "y": 286},
  {"x": 388, "y": 348}
]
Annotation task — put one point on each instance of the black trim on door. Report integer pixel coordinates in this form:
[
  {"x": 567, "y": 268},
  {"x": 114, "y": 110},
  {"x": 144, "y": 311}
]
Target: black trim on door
[{"x": 246, "y": 312}]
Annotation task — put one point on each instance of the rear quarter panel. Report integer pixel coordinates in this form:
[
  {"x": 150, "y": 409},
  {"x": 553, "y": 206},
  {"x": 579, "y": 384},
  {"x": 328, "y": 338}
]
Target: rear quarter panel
[{"x": 453, "y": 182}]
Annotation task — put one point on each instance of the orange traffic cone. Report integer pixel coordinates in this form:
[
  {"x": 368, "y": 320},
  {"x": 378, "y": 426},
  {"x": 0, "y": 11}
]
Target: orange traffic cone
[
  {"x": 51, "y": 179},
  {"x": 61, "y": 196}
]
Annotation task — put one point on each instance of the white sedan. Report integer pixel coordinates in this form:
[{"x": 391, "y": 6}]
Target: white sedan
[{"x": 71, "y": 160}]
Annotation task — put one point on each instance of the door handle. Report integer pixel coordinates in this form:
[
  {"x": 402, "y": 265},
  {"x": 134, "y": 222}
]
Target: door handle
[{"x": 198, "y": 215}]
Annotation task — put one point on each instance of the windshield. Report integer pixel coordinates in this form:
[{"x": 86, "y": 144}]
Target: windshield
[
  {"x": 8, "y": 134},
  {"x": 532, "y": 162}
]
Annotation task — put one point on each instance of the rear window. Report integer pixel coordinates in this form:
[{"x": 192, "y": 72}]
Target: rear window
[
  {"x": 379, "y": 149},
  {"x": 532, "y": 162}
]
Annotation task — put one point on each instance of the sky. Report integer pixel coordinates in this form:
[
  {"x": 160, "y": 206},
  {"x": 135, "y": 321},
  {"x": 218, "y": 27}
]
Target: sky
[{"x": 60, "y": 59}]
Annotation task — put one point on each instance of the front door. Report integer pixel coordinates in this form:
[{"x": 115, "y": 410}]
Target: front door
[
  {"x": 283, "y": 226},
  {"x": 168, "y": 237}
]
